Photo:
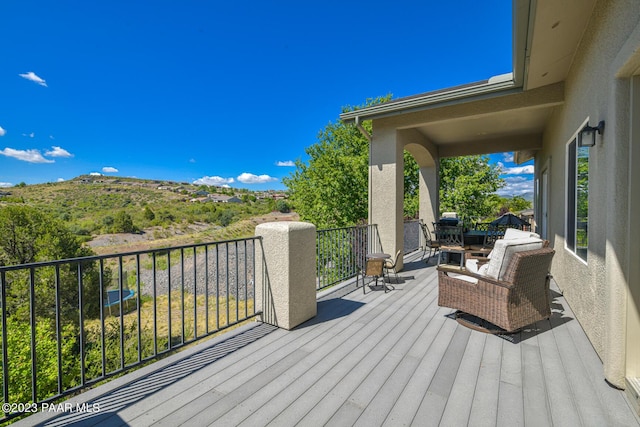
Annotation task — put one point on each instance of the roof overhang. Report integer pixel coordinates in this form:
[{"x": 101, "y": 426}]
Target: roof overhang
[{"x": 501, "y": 113}]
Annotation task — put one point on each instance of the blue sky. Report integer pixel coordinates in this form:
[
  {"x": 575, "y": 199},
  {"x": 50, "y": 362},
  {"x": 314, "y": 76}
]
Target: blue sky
[{"x": 218, "y": 92}]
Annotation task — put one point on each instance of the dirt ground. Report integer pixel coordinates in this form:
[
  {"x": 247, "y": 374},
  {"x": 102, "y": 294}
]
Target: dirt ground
[{"x": 158, "y": 236}]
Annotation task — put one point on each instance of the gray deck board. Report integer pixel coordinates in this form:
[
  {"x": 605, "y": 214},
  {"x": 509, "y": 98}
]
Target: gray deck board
[{"x": 393, "y": 359}]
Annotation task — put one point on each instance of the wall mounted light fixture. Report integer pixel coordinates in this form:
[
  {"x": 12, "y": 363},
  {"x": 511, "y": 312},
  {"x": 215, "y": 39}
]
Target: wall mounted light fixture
[{"x": 587, "y": 136}]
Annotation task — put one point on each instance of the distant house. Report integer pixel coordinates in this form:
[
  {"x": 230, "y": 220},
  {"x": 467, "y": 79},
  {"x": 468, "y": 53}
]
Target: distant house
[
  {"x": 221, "y": 198},
  {"x": 199, "y": 199}
]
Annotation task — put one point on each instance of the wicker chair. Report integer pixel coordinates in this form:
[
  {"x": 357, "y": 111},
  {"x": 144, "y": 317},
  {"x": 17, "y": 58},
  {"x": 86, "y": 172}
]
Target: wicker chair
[
  {"x": 520, "y": 298},
  {"x": 374, "y": 267}
]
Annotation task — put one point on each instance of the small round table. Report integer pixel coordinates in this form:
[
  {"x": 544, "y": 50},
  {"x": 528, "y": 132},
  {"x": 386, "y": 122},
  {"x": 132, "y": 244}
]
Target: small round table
[{"x": 378, "y": 255}]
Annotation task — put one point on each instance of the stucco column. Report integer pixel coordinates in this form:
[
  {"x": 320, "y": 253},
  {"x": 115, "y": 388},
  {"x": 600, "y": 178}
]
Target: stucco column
[
  {"x": 286, "y": 279},
  {"x": 386, "y": 189},
  {"x": 425, "y": 154},
  {"x": 615, "y": 143},
  {"x": 429, "y": 197}
]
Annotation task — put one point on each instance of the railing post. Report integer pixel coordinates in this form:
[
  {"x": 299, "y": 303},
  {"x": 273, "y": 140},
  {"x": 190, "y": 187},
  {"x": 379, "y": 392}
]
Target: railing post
[{"x": 286, "y": 278}]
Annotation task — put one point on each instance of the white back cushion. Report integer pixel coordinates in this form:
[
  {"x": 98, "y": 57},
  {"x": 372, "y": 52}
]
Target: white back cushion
[
  {"x": 503, "y": 251},
  {"x": 514, "y": 233}
]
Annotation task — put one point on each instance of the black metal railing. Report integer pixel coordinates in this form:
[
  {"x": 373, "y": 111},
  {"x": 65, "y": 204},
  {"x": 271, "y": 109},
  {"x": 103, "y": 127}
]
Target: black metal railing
[
  {"x": 67, "y": 324},
  {"x": 340, "y": 252}
]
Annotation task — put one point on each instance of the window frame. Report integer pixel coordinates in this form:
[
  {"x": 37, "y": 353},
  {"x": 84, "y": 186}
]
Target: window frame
[{"x": 572, "y": 154}]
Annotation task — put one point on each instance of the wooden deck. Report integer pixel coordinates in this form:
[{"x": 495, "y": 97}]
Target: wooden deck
[{"x": 377, "y": 359}]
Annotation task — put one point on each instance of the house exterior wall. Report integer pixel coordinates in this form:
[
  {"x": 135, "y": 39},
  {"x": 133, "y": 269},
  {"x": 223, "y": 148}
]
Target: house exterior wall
[{"x": 596, "y": 290}]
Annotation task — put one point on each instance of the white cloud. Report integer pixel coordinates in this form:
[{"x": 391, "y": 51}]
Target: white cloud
[
  {"x": 192, "y": 160},
  {"x": 61, "y": 180},
  {"x": 109, "y": 169},
  {"x": 95, "y": 174},
  {"x": 34, "y": 78},
  {"x": 5, "y": 184},
  {"x": 518, "y": 170},
  {"x": 286, "y": 163},
  {"x": 31, "y": 156},
  {"x": 30, "y": 135},
  {"x": 57, "y": 152},
  {"x": 213, "y": 180},
  {"x": 51, "y": 137},
  {"x": 2, "y": 131},
  {"x": 508, "y": 157},
  {"x": 516, "y": 186},
  {"x": 249, "y": 178},
  {"x": 226, "y": 186}
]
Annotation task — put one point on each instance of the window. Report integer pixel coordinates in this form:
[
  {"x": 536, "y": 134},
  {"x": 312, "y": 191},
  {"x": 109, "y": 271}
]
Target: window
[{"x": 577, "y": 237}]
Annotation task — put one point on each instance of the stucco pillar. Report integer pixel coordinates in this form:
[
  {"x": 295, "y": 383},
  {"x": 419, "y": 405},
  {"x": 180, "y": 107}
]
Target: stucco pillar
[
  {"x": 425, "y": 154},
  {"x": 286, "y": 279},
  {"x": 386, "y": 188},
  {"x": 615, "y": 143},
  {"x": 429, "y": 197}
]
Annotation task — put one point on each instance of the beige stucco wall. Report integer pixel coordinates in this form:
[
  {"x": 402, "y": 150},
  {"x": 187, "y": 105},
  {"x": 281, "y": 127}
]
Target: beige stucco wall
[{"x": 596, "y": 290}]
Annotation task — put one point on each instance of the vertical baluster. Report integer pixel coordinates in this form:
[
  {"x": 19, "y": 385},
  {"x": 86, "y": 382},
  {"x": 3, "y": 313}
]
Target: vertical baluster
[
  {"x": 206, "y": 288},
  {"x": 121, "y": 293},
  {"x": 80, "y": 303},
  {"x": 246, "y": 284},
  {"x": 32, "y": 322},
  {"x": 182, "y": 336},
  {"x": 59, "y": 337},
  {"x": 170, "y": 344},
  {"x": 237, "y": 276},
  {"x": 103, "y": 357},
  {"x": 155, "y": 304},
  {"x": 5, "y": 350},
  {"x": 217, "y": 287},
  {"x": 195, "y": 295},
  {"x": 138, "y": 307},
  {"x": 226, "y": 246}
]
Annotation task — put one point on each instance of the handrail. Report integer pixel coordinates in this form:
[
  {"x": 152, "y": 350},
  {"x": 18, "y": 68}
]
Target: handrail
[
  {"x": 54, "y": 312},
  {"x": 341, "y": 252}
]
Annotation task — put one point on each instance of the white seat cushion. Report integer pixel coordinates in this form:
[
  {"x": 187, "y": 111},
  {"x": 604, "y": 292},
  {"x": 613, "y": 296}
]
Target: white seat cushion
[
  {"x": 463, "y": 277},
  {"x": 503, "y": 251}
]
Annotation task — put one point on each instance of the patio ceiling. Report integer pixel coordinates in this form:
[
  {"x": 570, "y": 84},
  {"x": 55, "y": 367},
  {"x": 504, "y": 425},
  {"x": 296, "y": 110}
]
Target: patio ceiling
[{"x": 504, "y": 113}]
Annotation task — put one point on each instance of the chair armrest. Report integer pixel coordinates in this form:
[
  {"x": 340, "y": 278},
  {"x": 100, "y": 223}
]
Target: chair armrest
[{"x": 456, "y": 270}]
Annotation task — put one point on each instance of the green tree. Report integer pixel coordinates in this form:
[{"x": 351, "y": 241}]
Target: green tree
[
  {"x": 282, "y": 206},
  {"x": 28, "y": 235},
  {"x": 226, "y": 217},
  {"x": 467, "y": 184},
  {"x": 331, "y": 189},
  {"x": 411, "y": 186},
  {"x": 148, "y": 214},
  {"x": 123, "y": 223},
  {"x": 513, "y": 204}
]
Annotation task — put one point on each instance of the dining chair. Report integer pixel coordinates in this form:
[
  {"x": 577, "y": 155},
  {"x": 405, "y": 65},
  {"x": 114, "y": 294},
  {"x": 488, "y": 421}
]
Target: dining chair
[
  {"x": 392, "y": 265},
  {"x": 492, "y": 233},
  {"x": 430, "y": 243},
  {"x": 451, "y": 240},
  {"x": 374, "y": 267}
]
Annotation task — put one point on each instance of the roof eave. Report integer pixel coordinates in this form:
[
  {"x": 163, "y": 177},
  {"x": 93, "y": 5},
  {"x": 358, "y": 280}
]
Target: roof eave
[{"x": 431, "y": 100}]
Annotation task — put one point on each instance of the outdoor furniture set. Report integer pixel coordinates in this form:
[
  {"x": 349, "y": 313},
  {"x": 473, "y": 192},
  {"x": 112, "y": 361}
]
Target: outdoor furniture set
[
  {"x": 500, "y": 285},
  {"x": 509, "y": 288}
]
